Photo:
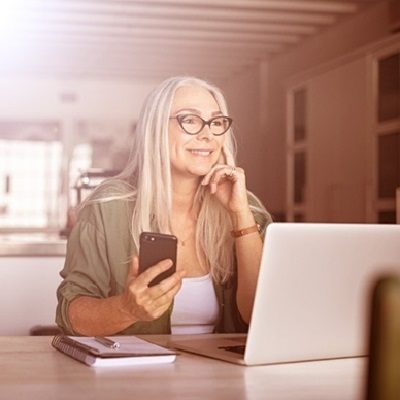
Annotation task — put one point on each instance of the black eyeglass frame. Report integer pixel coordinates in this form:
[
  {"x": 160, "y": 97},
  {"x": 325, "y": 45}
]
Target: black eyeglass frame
[{"x": 180, "y": 117}]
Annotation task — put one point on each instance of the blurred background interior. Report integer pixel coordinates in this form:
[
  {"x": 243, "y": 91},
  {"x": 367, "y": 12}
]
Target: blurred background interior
[{"x": 313, "y": 87}]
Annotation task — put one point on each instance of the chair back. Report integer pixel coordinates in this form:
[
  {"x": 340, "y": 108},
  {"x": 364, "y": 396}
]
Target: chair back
[{"x": 384, "y": 361}]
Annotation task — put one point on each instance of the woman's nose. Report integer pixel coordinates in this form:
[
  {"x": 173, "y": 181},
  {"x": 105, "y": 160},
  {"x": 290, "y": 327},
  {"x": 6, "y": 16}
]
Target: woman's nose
[{"x": 205, "y": 133}]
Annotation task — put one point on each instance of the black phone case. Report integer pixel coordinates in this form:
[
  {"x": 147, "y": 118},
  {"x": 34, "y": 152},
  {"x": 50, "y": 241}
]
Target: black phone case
[{"x": 155, "y": 247}]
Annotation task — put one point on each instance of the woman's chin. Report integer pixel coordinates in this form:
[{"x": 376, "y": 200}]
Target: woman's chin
[
  {"x": 195, "y": 170},
  {"x": 200, "y": 170}
]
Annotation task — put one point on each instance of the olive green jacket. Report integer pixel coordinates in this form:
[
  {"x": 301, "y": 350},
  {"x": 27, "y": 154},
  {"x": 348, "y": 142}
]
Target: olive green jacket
[{"x": 99, "y": 253}]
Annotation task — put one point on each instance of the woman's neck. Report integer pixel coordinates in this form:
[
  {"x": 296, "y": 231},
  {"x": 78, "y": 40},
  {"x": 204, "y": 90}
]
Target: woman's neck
[
  {"x": 183, "y": 196},
  {"x": 184, "y": 209}
]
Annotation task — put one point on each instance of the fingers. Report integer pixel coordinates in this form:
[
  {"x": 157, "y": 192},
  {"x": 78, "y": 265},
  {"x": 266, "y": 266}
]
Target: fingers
[
  {"x": 169, "y": 286},
  {"x": 161, "y": 303},
  {"x": 133, "y": 271},
  {"x": 150, "y": 273},
  {"x": 221, "y": 172},
  {"x": 149, "y": 303},
  {"x": 166, "y": 285}
]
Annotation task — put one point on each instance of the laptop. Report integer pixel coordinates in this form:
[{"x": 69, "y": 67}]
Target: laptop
[{"x": 312, "y": 297}]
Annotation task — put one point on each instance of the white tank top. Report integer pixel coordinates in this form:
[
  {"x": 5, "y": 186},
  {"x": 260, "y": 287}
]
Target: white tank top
[{"x": 195, "y": 306}]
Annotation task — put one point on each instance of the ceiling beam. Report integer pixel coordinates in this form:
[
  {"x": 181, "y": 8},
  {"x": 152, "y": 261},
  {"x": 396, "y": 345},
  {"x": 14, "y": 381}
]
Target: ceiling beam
[
  {"x": 68, "y": 71},
  {"x": 83, "y": 53},
  {"x": 166, "y": 11},
  {"x": 78, "y": 37},
  {"x": 56, "y": 47},
  {"x": 91, "y": 59},
  {"x": 130, "y": 21},
  {"x": 145, "y": 33},
  {"x": 291, "y": 5}
]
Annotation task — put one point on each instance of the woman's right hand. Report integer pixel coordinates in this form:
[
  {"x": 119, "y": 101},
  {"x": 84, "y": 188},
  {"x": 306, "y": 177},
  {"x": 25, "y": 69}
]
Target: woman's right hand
[{"x": 144, "y": 303}]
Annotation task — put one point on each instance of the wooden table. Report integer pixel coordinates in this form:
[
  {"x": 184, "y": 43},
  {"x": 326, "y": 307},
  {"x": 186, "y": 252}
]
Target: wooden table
[{"x": 30, "y": 368}]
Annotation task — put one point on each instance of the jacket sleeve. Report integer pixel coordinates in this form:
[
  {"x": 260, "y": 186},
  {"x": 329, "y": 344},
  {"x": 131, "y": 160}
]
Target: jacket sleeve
[{"x": 86, "y": 270}]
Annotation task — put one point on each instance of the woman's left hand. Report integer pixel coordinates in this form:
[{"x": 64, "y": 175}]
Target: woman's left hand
[{"x": 228, "y": 184}]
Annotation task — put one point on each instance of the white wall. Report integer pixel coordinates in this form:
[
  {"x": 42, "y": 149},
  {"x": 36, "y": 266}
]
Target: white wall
[{"x": 28, "y": 294}]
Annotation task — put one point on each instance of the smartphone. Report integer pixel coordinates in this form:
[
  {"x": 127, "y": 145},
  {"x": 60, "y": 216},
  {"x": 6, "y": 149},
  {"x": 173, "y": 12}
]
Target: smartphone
[{"x": 155, "y": 247}]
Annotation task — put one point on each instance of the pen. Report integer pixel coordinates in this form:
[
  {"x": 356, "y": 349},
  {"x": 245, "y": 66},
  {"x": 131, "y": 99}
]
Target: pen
[{"x": 107, "y": 342}]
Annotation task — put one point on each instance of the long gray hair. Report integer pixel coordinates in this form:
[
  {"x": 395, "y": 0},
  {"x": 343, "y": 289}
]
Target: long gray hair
[{"x": 148, "y": 175}]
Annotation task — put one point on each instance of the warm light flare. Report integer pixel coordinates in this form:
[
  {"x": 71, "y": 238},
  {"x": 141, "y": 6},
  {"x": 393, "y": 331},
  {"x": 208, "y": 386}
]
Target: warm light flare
[{"x": 10, "y": 13}]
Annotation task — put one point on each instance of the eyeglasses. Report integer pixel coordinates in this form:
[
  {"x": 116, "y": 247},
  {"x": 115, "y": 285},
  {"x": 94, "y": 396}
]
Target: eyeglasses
[{"x": 193, "y": 124}]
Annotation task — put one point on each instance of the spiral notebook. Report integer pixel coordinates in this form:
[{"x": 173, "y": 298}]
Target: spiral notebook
[{"x": 131, "y": 350}]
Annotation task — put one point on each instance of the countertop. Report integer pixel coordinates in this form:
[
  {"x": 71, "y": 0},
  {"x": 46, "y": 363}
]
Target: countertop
[
  {"x": 32, "y": 368},
  {"x": 28, "y": 245}
]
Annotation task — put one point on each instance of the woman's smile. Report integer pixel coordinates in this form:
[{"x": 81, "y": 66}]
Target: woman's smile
[
  {"x": 201, "y": 152},
  {"x": 193, "y": 154}
]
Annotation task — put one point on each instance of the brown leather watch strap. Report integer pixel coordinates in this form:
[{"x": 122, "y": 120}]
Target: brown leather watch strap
[{"x": 245, "y": 231}]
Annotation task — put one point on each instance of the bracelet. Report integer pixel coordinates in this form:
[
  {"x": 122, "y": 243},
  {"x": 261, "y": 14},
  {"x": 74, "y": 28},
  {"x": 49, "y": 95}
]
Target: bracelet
[{"x": 245, "y": 231}]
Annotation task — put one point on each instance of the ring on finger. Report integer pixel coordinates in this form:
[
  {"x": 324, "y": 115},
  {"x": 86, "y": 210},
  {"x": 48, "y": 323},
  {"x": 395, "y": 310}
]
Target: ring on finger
[{"x": 232, "y": 171}]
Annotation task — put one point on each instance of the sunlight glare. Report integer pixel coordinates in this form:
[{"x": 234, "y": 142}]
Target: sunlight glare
[{"x": 10, "y": 13}]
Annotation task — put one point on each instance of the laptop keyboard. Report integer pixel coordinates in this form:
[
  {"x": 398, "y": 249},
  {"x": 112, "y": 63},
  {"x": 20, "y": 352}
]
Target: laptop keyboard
[{"x": 239, "y": 349}]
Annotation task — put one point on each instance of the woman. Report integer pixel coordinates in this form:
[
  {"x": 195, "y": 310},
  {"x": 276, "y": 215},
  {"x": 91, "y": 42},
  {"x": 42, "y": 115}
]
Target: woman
[{"x": 181, "y": 179}]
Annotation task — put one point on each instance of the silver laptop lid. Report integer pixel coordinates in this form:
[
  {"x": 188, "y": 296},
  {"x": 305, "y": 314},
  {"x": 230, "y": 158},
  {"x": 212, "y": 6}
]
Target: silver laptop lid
[{"x": 314, "y": 287}]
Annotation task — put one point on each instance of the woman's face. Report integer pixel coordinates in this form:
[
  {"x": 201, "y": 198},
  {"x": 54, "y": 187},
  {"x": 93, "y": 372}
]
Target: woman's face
[{"x": 193, "y": 154}]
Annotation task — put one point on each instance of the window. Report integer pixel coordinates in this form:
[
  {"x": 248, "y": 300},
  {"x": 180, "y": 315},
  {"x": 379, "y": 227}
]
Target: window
[
  {"x": 299, "y": 177},
  {"x": 389, "y": 88},
  {"x": 299, "y": 99},
  {"x": 40, "y": 162},
  {"x": 30, "y": 162},
  {"x": 387, "y": 135},
  {"x": 388, "y": 165},
  {"x": 81, "y": 161},
  {"x": 297, "y": 155}
]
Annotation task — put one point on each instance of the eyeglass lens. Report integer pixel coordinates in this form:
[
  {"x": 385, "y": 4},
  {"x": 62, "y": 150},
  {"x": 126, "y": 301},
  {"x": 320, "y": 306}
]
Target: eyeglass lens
[{"x": 193, "y": 124}]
